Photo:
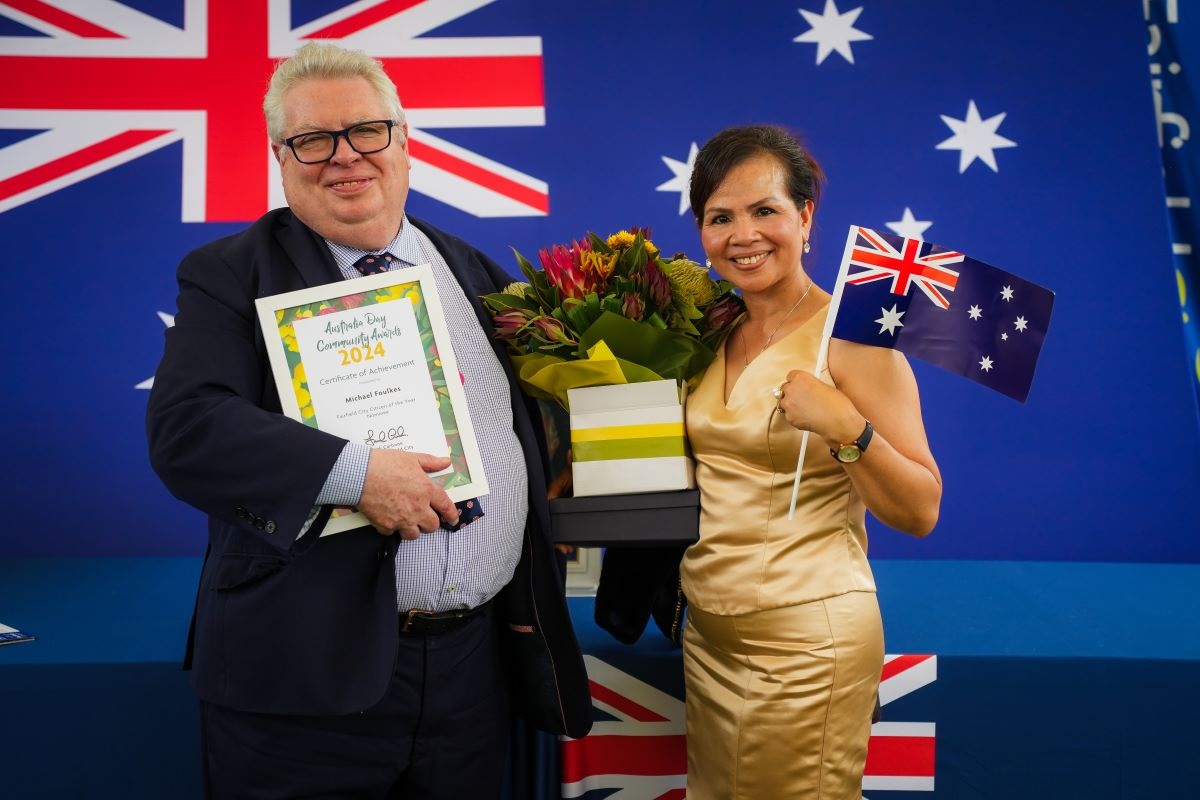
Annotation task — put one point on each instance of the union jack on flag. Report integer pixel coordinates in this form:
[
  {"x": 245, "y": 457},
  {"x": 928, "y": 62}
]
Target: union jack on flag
[
  {"x": 114, "y": 83},
  {"x": 641, "y": 754},
  {"x": 904, "y": 265}
]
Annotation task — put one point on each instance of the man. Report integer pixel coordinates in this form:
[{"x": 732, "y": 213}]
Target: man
[{"x": 375, "y": 662}]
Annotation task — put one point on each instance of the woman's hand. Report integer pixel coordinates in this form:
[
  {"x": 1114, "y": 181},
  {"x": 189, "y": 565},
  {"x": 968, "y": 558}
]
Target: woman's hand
[
  {"x": 810, "y": 404},
  {"x": 562, "y": 483}
]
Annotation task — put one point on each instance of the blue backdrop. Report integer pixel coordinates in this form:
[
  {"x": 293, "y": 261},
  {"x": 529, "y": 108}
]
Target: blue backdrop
[
  {"x": 1021, "y": 133},
  {"x": 1032, "y": 136}
]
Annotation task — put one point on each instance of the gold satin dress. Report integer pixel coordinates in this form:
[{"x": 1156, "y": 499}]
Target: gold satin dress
[{"x": 784, "y": 642}]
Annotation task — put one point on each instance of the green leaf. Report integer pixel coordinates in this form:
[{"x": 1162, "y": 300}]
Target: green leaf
[
  {"x": 499, "y": 301},
  {"x": 599, "y": 245},
  {"x": 668, "y": 354},
  {"x": 657, "y": 321}
]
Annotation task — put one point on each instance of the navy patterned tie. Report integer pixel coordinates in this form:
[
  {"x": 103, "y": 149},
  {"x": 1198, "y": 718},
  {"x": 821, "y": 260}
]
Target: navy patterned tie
[{"x": 371, "y": 264}]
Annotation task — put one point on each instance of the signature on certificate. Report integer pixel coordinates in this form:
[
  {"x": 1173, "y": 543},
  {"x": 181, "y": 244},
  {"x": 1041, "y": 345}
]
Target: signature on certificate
[{"x": 384, "y": 436}]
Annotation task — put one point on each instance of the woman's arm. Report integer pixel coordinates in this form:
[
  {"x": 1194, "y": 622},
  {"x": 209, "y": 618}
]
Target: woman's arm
[{"x": 897, "y": 476}]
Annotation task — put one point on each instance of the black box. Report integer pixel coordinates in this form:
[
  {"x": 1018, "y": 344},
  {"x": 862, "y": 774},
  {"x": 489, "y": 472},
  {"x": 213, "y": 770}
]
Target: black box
[{"x": 627, "y": 520}]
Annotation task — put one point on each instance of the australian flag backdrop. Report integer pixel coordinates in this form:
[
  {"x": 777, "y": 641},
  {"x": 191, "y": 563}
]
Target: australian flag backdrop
[{"x": 1023, "y": 133}]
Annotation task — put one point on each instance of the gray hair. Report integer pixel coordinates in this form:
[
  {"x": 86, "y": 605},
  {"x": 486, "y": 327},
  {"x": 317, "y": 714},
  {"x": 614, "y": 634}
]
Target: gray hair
[{"x": 322, "y": 60}]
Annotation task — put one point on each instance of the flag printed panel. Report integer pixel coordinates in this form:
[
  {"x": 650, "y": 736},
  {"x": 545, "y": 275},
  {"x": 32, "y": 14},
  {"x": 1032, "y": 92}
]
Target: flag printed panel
[
  {"x": 962, "y": 315},
  {"x": 123, "y": 82},
  {"x": 1174, "y": 51},
  {"x": 131, "y": 133},
  {"x": 637, "y": 748}
]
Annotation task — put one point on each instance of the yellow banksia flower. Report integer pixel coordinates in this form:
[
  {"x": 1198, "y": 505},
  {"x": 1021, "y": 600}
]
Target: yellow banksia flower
[
  {"x": 516, "y": 289},
  {"x": 690, "y": 280}
]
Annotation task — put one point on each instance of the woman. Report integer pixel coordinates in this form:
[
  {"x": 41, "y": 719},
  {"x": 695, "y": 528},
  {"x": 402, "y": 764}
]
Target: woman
[{"x": 784, "y": 643}]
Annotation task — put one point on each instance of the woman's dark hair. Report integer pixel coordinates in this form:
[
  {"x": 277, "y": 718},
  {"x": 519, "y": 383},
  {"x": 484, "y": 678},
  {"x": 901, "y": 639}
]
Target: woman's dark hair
[{"x": 732, "y": 146}]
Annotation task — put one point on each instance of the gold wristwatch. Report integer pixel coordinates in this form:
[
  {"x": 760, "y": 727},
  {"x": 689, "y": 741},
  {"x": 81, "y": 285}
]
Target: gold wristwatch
[{"x": 853, "y": 451}]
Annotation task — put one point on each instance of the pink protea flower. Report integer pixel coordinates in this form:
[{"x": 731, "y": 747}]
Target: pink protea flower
[
  {"x": 658, "y": 284},
  {"x": 563, "y": 270}
]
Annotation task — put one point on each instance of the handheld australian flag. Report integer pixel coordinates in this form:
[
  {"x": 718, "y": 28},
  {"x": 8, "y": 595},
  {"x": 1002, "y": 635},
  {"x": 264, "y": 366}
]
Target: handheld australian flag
[{"x": 942, "y": 307}]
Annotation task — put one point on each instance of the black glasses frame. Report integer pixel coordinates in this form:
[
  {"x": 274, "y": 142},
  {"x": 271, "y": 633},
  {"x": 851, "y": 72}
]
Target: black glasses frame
[{"x": 344, "y": 133}]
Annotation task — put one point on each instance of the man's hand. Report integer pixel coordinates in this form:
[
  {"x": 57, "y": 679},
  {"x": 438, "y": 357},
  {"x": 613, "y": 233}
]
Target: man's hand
[{"x": 398, "y": 496}]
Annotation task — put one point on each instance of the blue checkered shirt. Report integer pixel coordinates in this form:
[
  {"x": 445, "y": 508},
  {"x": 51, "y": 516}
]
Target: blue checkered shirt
[{"x": 442, "y": 571}]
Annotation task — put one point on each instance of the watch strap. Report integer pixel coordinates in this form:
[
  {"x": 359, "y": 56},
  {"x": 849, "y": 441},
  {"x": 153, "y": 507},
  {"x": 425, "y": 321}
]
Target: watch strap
[{"x": 861, "y": 442}]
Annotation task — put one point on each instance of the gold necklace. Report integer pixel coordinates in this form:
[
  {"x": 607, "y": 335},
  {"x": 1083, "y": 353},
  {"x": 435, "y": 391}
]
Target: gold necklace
[{"x": 746, "y": 350}]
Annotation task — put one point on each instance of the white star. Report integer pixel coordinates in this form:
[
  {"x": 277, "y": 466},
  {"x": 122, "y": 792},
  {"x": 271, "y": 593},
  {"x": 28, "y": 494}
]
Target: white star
[
  {"x": 683, "y": 176},
  {"x": 1007, "y": 293},
  {"x": 169, "y": 321},
  {"x": 909, "y": 226},
  {"x": 890, "y": 320},
  {"x": 1004, "y": 337},
  {"x": 833, "y": 31},
  {"x": 985, "y": 364},
  {"x": 975, "y": 311},
  {"x": 974, "y": 138},
  {"x": 1020, "y": 324}
]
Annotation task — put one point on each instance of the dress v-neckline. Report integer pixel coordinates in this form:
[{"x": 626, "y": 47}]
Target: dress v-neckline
[{"x": 724, "y": 356}]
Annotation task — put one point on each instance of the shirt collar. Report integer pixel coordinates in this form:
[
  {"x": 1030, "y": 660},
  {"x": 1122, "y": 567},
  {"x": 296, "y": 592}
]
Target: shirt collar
[{"x": 404, "y": 247}]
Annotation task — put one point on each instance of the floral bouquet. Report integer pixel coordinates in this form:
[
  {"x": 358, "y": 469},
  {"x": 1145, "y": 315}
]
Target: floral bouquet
[{"x": 611, "y": 311}]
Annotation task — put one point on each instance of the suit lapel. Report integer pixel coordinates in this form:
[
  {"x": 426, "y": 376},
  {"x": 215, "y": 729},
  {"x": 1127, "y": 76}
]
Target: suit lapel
[{"x": 307, "y": 252}]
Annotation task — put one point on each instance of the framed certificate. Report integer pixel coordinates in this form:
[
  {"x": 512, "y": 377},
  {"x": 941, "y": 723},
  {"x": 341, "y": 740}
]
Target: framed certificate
[{"x": 370, "y": 360}]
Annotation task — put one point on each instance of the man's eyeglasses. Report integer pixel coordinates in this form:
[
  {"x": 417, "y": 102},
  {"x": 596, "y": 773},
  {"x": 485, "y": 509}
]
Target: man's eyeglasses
[{"x": 314, "y": 147}]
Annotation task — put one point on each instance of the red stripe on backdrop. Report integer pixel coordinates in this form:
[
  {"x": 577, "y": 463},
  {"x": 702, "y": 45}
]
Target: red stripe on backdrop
[
  {"x": 141, "y": 84},
  {"x": 75, "y": 161},
  {"x": 468, "y": 81},
  {"x": 901, "y": 663},
  {"x": 238, "y": 67},
  {"x": 616, "y": 700},
  {"x": 910, "y": 756},
  {"x": 481, "y": 176},
  {"x": 363, "y": 19},
  {"x": 61, "y": 19},
  {"x": 623, "y": 755}
]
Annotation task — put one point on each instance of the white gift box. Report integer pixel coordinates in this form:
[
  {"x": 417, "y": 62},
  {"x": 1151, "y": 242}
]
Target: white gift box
[{"x": 629, "y": 438}]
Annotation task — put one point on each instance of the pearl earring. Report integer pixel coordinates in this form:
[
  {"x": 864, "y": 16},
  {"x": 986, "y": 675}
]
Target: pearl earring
[
  {"x": 807, "y": 246},
  {"x": 708, "y": 263}
]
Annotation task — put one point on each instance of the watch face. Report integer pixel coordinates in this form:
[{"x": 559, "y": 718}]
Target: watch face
[{"x": 849, "y": 453}]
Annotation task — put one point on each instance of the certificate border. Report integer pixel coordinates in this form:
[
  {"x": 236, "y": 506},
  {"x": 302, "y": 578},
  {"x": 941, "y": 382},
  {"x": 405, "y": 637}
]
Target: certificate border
[{"x": 291, "y": 382}]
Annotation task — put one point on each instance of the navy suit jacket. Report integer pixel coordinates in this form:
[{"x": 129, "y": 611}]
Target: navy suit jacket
[{"x": 309, "y": 626}]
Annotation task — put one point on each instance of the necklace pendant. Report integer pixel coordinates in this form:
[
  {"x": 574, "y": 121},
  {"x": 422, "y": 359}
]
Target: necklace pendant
[{"x": 767, "y": 343}]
